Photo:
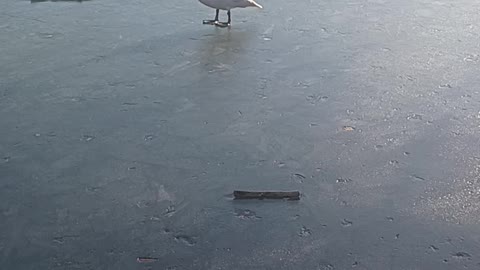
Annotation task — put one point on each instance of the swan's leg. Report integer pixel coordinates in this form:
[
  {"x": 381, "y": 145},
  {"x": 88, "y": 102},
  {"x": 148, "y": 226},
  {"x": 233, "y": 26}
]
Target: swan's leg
[
  {"x": 215, "y": 21},
  {"x": 225, "y": 24}
]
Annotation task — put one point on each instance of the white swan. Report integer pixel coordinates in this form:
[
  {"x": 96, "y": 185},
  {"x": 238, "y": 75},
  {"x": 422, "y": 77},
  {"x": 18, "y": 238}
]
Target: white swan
[{"x": 227, "y": 5}]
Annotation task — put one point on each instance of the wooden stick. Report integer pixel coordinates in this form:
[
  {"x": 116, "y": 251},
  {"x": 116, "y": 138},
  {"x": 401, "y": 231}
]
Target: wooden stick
[
  {"x": 260, "y": 195},
  {"x": 146, "y": 259}
]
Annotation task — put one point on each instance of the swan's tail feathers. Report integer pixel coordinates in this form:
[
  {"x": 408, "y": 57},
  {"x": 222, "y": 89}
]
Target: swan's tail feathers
[{"x": 255, "y": 4}]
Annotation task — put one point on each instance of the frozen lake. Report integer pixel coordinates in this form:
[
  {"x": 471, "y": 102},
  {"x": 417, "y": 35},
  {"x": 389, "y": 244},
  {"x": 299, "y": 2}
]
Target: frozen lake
[{"x": 125, "y": 125}]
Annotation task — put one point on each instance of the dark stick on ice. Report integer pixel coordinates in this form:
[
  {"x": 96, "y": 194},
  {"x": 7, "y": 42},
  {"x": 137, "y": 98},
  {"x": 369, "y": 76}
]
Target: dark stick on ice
[
  {"x": 260, "y": 195},
  {"x": 146, "y": 259}
]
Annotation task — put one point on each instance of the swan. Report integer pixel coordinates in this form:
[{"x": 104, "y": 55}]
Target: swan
[{"x": 226, "y": 5}]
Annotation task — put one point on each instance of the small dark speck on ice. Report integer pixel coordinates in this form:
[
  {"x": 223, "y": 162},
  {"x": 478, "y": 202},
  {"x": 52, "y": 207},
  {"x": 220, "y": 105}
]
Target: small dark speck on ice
[
  {"x": 295, "y": 217},
  {"x": 393, "y": 162},
  {"x": 461, "y": 255},
  {"x": 344, "y": 180},
  {"x": 87, "y": 138},
  {"x": 414, "y": 116},
  {"x": 305, "y": 232},
  {"x": 92, "y": 189},
  {"x": 326, "y": 266},
  {"x": 185, "y": 239},
  {"x": 348, "y": 128},
  {"x": 170, "y": 211},
  {"x": 417, "y": 178},
  {"x": 149, "y": 137},
  {"x": 246, "y": 214},
  {"x": 281, "y": 165},
  {"x": 299, "y": 175},
  {"x": 346, "y": 223}
]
